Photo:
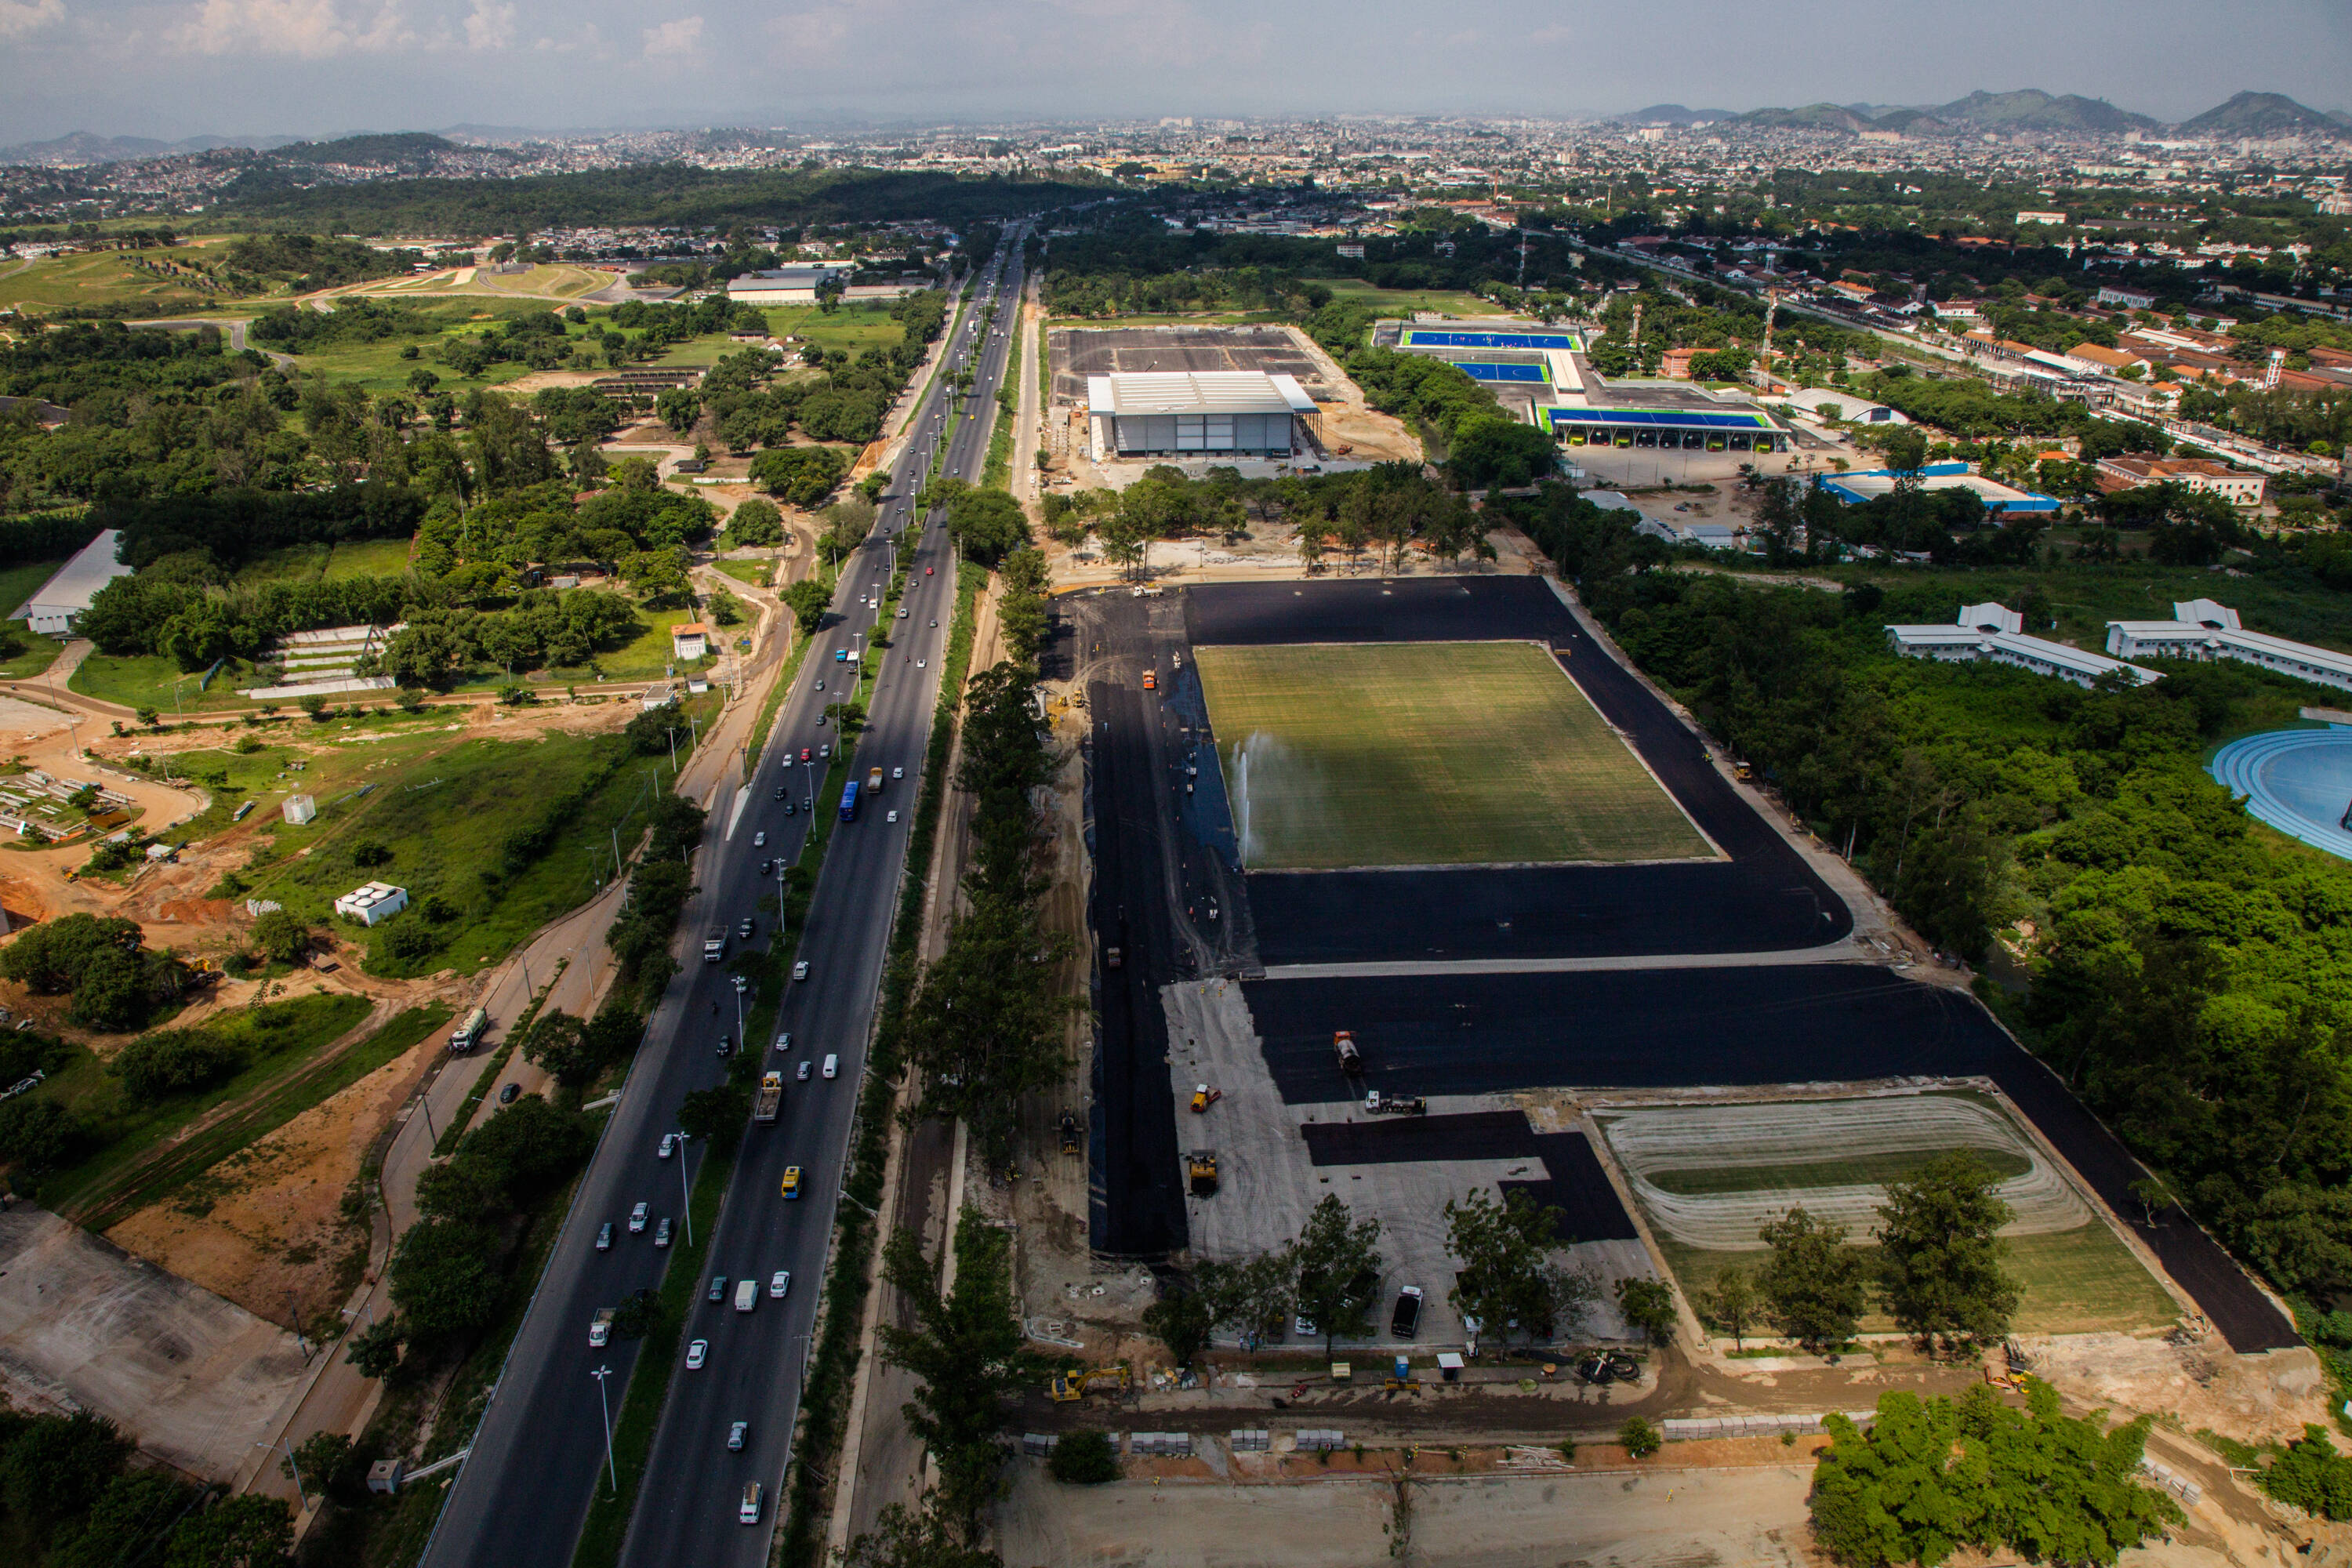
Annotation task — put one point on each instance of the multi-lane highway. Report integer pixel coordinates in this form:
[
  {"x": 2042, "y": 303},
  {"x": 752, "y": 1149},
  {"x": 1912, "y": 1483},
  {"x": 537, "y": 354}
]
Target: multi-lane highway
[{"x": 539, "y": 1455}]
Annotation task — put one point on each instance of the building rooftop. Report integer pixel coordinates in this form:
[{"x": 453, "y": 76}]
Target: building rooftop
[
  {"x": 77, "y": 582},
  {"x": 1196, "y": 392}
]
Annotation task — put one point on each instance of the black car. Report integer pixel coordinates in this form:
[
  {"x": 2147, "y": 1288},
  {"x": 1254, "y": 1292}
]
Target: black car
[
  {"x": 744, "y": 928},
  {"x": 507, "y": 1095},
  {"x": 725, "y": 1044},
  {"x": 781, "y": 793}
]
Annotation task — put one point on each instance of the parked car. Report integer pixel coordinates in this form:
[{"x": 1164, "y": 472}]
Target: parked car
[{"x": 507, "y": 1095}]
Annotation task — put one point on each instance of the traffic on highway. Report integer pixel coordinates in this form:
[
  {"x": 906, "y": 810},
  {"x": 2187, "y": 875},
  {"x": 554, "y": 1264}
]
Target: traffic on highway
[{"x": 539, "y": 1454}]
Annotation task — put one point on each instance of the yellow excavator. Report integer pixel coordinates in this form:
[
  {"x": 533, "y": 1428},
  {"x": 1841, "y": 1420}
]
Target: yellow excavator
[{"x": 1078, "y": 1381}]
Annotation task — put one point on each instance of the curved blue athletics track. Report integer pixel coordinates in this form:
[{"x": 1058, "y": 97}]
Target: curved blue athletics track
[{"x": 2298, "y": 781}]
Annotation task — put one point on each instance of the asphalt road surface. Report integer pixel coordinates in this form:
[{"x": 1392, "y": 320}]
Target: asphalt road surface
[
  {"x": 1493, "y": 1034},
  {"x": 539, "y": 1456}
]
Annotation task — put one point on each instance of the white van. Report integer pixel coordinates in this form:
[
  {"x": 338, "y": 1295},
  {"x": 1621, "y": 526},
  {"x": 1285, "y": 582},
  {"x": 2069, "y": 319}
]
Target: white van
[
  {"x": 833, "y": 1066},
  {"x": 749, "y": 1510},
  {"x": 747, "y": 1294}
]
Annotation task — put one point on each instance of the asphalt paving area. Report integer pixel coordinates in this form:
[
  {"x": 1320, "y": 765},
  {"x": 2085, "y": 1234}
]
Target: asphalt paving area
[
  {"x": 1762, "y": 897},
  {"x": 1743, "y": 1518},
  {"x": 1077, "y": 352},
  {"x": 1277, "y": 1159},
  {"x": 193, "y": 1379},
  {"x": 1711, "y": 1028}
]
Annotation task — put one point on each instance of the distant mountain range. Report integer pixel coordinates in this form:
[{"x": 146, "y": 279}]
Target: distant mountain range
[
  {"x": 401, "y": 148},
  {"x": 2249, "y": 114},
  {"x": 82, "y": 147}
]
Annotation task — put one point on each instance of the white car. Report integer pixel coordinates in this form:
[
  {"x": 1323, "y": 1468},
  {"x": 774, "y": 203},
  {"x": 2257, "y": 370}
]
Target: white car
[
  {"x": 697, "y": 1353},
  {"x": 759, "y": 841},
  {"x": 668, "y": 1145},
  {"x": 898, "y": 772},
  {"x": 637, "y": 1219},
  {"x": 802, "y": 1074},
  {"x": 891, "y": 816},
  {"x": 778, "y": 1283},
  {"x": 800, "y": 970}
]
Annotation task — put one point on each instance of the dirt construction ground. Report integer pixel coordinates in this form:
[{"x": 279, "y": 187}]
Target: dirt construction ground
[
  {"x": 265, "y": 1227},
  {"x": 1718, "y": 1519}
]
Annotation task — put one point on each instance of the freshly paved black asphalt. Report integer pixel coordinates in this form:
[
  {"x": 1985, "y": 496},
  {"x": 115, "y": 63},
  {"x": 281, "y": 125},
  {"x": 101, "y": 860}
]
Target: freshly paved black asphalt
[
  {"x": 1574, "y": 1182},
  {"x": 1764, "y": 898},
  {"x": 1689, "y": 1027}
]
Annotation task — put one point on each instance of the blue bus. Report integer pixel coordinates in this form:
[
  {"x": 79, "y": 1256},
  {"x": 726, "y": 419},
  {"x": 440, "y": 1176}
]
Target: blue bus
[{"x": 849, "y": 800}]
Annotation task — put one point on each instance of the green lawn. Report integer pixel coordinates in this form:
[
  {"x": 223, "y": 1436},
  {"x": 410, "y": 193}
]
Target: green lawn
[
  {"x": 1876, "y": 1167},
  {"x": 115, "y": 278},
  {"x": 274, "y": 1039},
  {"x": 755, "y": 573},
  {"x": 329, "y": 563},
  {"x": 2075, "y": 1281},
  {"x": 1404, "y": 302},
  {"x": 151, "y": 681},
  {"x": 1427, "y": 754},
  {"x": 443, "y": 817},
  {"x": 18, "y": 583},
  {"x": 867, "y": 324}
]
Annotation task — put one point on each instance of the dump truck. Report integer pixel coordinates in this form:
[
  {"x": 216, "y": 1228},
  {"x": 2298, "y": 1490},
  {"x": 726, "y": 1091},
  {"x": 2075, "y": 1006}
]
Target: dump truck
[
  {"x": 1151, "y": 680},
  {"x": 714, "y": 946},
  {"x": 1343, "y": 1046},
  {"x": 1203, "y": 1168},
  {"x": 771, "y": 1096},
  {"x": 1379, "y": 1104},
  {"x": 1078, "y": 1381},
  {"x": 873, "y": 781}
]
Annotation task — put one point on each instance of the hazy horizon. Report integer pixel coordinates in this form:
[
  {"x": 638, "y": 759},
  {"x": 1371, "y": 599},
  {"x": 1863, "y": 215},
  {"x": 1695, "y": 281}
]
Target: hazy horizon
[{"x": 175, "y": 68}]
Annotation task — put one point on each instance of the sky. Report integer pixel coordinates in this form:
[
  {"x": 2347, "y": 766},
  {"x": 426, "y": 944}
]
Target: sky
[{"x": 173, "y": 68}]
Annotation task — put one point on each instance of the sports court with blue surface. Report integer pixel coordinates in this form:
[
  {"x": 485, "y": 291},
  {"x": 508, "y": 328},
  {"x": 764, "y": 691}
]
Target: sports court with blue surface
[
  {"x": 2297, "y": 781},
  {"x": 1691, "y": 429},
  {"x": 1528, "y": 372},
  {"x": 1426, "y": 337}
]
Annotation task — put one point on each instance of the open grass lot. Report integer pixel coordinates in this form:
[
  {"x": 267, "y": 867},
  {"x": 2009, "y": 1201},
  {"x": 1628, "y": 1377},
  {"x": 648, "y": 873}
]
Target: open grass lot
[
  {"x": 274, "y": 1039},
  {"x": 867, "y": 324},
  {"x": 442, "y": 819},
  {"x": 329, "y": 563},
  {"x": 1705, "y": 1177},
  {"x": 113, "y": 278},
  {"x": 151, "y": 681},
  {"x": 1427, "y": 754},
  {"x": 1404, "y": 302}
]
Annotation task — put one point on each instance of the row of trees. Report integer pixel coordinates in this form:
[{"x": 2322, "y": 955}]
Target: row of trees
[
  {"x": 68, "y": 1490},
  {"x": 1508, "y": 1281},
  {"x": 1936, "y": 1268}
]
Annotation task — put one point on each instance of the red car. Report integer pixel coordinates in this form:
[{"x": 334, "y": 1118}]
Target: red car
[
  {"x": 804, "y": 753},
  {"x": 927, "y": 571}
]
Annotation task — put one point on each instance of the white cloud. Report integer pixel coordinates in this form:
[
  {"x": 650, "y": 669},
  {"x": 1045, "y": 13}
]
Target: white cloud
[
  {"x": 21, "y": 16},
  {"x": 490, "y": 26},
  {"x": 306, "y": 29},
  {"x": 675, "y": 38}
]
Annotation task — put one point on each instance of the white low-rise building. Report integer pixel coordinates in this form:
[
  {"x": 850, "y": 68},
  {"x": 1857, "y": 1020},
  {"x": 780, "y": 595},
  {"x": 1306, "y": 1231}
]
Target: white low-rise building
[
  {"x": 372, "y": 903},
  {"x": 1997, "y": 633},
  {"x": 54, "y": 611},
  {"x": 2199, "y": 628},
  {"x": 1189, "y": 414}
]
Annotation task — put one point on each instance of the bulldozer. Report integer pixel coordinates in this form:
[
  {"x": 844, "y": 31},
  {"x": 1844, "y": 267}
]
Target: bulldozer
[
  {"x": 1205, "y": 1097},
  {"x": 1204, "y": 1170},
  {"x": 1079, "y": 1382},
  {"x": 1069, "y": 1133}
]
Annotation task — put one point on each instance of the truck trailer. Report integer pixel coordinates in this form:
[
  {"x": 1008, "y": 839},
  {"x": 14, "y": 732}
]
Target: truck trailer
[{"x": 771, "y": 1098}]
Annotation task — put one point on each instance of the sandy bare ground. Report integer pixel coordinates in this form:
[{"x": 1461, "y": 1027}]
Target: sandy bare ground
[
  {"x": 195, "y": 1378},
  {"x": 265, "y": 1227},
  {"x": 1484, "y": 1519}
]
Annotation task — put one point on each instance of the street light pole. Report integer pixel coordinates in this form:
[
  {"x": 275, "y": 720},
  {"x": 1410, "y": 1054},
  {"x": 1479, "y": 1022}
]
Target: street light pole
[
  {"x": 289, "y": 1452},
  {"x": 612, "y": 1469}
]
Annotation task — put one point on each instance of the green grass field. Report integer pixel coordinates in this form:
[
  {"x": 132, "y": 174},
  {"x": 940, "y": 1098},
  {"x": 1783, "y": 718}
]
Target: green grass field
[
  {"x": 867, "y": 324},
  {"x": 1404, "y": 302},
  {"x": 1427, "y": 754},
  {"x": 115, "y": 278},
  {"x": 329, "y": 563},
  {"x": 18, "y": 583}
]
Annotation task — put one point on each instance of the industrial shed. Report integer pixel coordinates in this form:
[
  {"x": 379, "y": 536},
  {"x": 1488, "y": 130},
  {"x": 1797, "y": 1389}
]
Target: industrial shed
[
  {"x": 1197, "y": 413},
  {"x": 54, "y": 611}
]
